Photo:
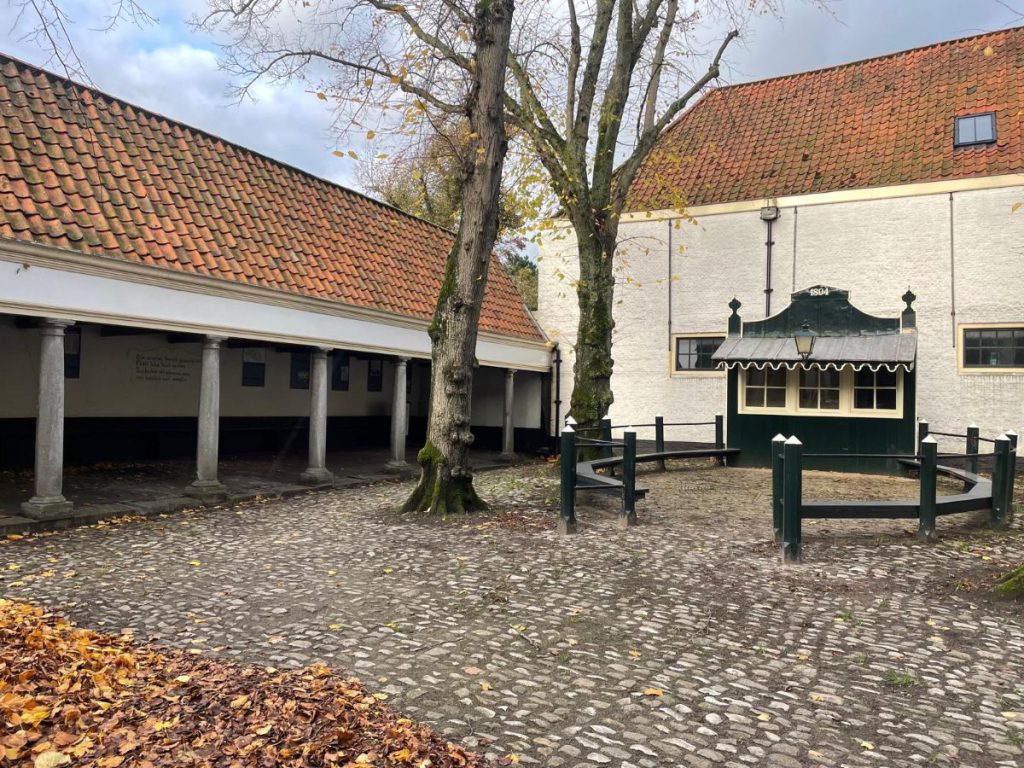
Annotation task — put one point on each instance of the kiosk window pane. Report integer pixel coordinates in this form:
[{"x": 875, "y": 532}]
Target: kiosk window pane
[
  {"x": 819, "y": 390},
  {"x": 874, "y": 390},
  {"x": 765, "y": 389}
]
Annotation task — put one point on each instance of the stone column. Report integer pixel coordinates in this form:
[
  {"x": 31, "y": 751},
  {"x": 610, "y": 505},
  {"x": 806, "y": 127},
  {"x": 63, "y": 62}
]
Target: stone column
[
  {"x": 206, "y": 485},
  {"x": 399, "y": 416},
  {"x": 508, "y": 432},
  {"x": 317, "y": 471},
  {"x": 49, "y": 503}
]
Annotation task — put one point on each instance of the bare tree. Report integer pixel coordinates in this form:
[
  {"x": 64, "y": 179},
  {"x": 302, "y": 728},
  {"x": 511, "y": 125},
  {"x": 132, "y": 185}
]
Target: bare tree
[
  {"x": 49, "y": 24},
  {"x": 592, "y": 87},
  {"x": 378, "y": 61}
]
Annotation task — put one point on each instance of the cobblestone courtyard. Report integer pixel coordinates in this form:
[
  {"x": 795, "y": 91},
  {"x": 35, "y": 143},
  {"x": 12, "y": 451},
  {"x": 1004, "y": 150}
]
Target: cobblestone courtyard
[{"x": 682, "y": 641}]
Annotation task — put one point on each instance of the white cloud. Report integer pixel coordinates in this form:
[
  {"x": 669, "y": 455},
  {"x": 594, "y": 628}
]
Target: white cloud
[{"x": 170, "y": 69}]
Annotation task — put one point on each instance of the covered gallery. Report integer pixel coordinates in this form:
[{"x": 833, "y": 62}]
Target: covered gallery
[{"x": 161, "y": 288}]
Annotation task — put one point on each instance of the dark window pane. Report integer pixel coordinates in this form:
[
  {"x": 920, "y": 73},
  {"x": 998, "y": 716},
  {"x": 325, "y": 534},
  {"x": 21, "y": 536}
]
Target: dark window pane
[
  {"x": 299, "y": 378},
  {"x": 830, "y": 399},
  {"x": 864, "y": 378},
  {"x": 694, "y": 352},
  {"x": 777, "y": 378},
  {"x": 808, "y": 398},
  {"x": 886, "y": 399},
  {"x": 755, "y": 377},
  {"x": 829, "y": 379},
  {"x": 340, "y": 372},
  {"x": 809, "y": 378},
  {"x": 776, "y": 398},
  {"x": 863, "y": 398},
  {"x": 375, "y": 376},
  {"x": 72, "y": 352},
  {"x": 253, "y": 374},
  {"x": 886, "y": 378},
  {"x": 754, "y": 397}
]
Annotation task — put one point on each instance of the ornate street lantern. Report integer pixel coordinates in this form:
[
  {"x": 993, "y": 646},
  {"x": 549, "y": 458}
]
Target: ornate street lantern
[{"x": 804, "y": 339}]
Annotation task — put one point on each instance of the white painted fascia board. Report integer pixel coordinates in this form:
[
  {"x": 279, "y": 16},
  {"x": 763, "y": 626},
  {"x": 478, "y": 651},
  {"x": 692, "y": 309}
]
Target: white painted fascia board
[
  {"x": 40, "y": 289},
  {"x": 919, "y": 189},
  {"x": 35, "y": 254}
]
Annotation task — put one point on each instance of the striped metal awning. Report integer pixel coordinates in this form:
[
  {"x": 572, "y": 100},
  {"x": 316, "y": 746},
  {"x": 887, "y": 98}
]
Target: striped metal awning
[{"x": 890, "y": 351}]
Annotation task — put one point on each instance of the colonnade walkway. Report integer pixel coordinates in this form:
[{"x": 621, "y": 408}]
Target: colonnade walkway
[{"x": 118, "y": 489}]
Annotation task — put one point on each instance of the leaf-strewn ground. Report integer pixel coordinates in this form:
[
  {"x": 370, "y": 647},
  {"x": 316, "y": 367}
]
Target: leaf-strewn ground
[{"x": 72, "y": 696}]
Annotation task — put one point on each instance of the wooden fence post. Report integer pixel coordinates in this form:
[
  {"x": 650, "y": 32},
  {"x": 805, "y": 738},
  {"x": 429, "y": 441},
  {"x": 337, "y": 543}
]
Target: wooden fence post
[
  {"x": 659, "y": 440},
  {"x": 777, "y": 447},
  {"x": 567, "y": 512},
  {"x": 971, "y": 461},
  {"x": 1011, "y": 472},
  {"x": 606, "y": 434},
  {"x": 928, "y": 475},
  {"x": 922, "y": 430},
  {"x": 1000, "y": 470},
  {"x": 720, "y": 436},
  {"x": 628, "y": 516},
  {"x": 792, "y": 493}
]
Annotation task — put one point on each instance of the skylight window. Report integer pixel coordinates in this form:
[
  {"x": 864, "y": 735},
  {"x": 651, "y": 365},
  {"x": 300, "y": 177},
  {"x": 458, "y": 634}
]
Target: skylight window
[{"x": 969, "y": 130}]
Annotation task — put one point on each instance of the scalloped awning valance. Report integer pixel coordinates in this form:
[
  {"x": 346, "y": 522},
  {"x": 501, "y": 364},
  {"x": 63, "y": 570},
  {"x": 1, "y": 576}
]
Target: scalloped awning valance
[{"x": 884, "y": 350}]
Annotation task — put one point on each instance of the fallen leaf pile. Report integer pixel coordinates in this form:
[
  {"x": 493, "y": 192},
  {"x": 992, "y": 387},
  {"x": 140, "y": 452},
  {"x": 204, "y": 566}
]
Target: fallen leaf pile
[{"x": 70, "y": 696}]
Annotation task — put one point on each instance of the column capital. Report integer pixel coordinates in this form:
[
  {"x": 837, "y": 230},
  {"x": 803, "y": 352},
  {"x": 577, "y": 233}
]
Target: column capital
[
  {"x": 322, "y": 351},
  {"x": 403, "y": 359},
  {"x": 55, "y": 326},
  {"x": 510, "y": 372},
  {"x": 213, "y": 342}
]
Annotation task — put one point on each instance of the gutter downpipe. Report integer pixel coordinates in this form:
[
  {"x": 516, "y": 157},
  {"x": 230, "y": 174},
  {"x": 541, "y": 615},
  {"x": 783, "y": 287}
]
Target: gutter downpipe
[
  {"x": 952, "y": 272},
  {"x": 556, "y": 365},
  {"x": 670, "y": 350}
]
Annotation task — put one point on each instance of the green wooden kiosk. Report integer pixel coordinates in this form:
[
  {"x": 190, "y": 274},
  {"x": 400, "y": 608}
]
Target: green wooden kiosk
[{"x": 839, "y": 379}]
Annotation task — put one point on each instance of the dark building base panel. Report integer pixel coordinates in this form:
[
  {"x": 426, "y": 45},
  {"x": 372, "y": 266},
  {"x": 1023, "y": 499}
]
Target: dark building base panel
[{"x": 96, "y": 440}]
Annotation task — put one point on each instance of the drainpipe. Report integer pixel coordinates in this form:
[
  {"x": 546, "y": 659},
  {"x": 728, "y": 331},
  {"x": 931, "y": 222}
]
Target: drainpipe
[
  {"x": 556, "y": 364},
  {"x": 670, "y": 286},
  {"x": 769, "y": 214},
  {"x": 952, "y": 272}
]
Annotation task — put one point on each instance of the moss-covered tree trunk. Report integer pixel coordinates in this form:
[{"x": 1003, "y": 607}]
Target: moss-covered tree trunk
[
  {"x": 446, "y": 479},
  {"x": 1011, "y": 586},
  {"x": 592, "y": 370}
]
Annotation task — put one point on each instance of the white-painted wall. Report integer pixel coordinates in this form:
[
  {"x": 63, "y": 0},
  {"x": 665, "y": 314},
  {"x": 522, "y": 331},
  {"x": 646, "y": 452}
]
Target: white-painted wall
[
  {"x": 145, "y": 375},
  {"x": 874, "y": 248}
]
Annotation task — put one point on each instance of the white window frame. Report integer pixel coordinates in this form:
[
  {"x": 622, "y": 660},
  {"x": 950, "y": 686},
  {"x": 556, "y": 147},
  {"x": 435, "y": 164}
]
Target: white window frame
[
  {"x": 961, "y": 350},
  {"x": 845, "y": 410},
  {"x": 716, "y": 372}
]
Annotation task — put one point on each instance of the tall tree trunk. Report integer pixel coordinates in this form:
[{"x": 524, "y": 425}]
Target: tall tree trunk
[
  {"x": 592, "y": 372},
  {"x": 446, "y": 479}
]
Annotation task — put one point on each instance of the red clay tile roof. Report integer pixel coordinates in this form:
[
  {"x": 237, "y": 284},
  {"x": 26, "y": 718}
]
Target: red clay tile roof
[
  {"x": 878, "y": 122},
  {"x": 84, "y": 171}
]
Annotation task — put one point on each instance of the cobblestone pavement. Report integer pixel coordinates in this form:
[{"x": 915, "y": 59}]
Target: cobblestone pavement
[{"x": 682, "y": 641}]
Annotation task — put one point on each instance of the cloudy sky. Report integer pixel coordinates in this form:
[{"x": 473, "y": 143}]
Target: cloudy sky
[{"x": 173, "y": 70}]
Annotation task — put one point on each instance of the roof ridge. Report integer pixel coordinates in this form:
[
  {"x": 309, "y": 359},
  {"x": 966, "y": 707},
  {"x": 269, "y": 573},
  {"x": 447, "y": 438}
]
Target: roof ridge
[
  {"x": 6, "y": 58},
  {"x": 858, "y": 62}
]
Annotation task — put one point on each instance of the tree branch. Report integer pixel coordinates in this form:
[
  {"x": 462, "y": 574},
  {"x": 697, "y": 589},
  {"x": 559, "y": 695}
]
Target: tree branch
[{"x": 626, "y": 172}]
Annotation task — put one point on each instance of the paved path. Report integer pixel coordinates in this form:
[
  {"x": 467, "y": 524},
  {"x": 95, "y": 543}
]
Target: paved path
[{"x": 682, "y": 642}]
